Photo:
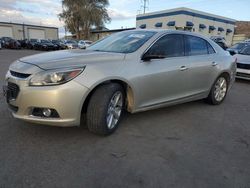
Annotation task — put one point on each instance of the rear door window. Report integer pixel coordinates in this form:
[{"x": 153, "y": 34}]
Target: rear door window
[
  {"x": 196, "y": 46},
  {"x": 210, "y": 48}
]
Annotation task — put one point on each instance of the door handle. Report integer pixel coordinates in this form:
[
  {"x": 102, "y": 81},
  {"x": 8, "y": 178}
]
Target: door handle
[
  {"x": 183, "y": 68},
  {"x": 214, "y": 64}
]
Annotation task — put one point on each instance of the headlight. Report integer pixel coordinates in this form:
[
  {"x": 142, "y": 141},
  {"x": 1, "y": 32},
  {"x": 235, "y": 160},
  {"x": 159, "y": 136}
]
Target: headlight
[{"x": 54, "y": 77}]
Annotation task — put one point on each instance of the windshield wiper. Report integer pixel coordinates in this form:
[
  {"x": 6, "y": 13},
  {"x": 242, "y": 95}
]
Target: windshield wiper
[{"x": 99, "y": 50}]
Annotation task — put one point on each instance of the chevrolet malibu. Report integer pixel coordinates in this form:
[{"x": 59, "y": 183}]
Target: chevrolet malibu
[{"x": 134, "y": 70}]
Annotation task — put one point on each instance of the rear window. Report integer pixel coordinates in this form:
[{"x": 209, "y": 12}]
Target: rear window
[
  {"x": 245, "y": 51},
  {"x": 238, "y": 46}
]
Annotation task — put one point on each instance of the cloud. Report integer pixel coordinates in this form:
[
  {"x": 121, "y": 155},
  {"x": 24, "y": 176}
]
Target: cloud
[
  {"x": 36, "y": 12},
  {"x": 45, "y": 12},
  {"x": 31, "y": 11},
  {"x": 119, "y": 15}
]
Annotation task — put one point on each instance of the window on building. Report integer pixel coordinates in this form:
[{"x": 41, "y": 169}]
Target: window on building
[
  {"x": 171, "y": 45},
  {"x": 159, "y": 24}
]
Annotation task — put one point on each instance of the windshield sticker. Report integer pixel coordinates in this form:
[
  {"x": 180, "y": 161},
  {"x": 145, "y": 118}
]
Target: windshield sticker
[{"x": 140, "y": 36}]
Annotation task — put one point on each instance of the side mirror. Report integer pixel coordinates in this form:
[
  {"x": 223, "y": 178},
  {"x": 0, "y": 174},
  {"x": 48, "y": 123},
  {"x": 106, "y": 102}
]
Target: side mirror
[{"x": 148, "y": 57}]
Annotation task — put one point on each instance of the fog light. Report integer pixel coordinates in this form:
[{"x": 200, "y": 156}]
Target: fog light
[{"x": 46, "y": 112}]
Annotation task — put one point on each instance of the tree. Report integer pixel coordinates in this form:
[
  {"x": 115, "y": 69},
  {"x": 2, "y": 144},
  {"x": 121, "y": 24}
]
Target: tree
[{"x": 82, "y": 15}]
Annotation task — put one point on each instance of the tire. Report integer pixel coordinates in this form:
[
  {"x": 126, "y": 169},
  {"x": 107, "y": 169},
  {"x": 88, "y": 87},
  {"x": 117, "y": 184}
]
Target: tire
[
  {"x": 101, "y": 109},
  {"x": 218, "y": 92}
]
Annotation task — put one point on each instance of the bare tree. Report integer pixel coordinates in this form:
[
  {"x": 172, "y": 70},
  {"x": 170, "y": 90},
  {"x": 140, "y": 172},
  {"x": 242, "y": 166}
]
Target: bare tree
[{"x": 82, "y": 15}]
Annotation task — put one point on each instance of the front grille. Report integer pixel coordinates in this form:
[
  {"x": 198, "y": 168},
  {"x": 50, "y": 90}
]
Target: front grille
[
  {"x": 19, "y": 75},
  {"x": 243, "y": 75},
  {"x": 243, "y": 66},
  {"x": 13, "y": 91}
]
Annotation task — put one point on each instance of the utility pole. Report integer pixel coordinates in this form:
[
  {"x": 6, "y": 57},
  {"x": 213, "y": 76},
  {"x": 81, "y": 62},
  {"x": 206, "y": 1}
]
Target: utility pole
[{"x": 145, "y": 5}]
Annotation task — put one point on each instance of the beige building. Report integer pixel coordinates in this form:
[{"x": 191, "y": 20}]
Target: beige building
[
  {"x": 190, "y": 20},
  {"x": 99, "y": 34},
  {"x": 24, "y": 31}
]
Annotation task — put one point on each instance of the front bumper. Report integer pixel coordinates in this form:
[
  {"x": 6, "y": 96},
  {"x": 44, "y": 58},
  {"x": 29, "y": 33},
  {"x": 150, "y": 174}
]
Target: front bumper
[
  {"x": 243, "y": 74},
  {"x": 66, "y": 99}
]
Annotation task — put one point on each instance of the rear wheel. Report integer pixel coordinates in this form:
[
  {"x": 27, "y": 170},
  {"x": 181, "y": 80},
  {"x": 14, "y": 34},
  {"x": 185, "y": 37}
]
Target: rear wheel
[
  {"x": 105, "y": 109},
  {"x": 219, "y": 91}
]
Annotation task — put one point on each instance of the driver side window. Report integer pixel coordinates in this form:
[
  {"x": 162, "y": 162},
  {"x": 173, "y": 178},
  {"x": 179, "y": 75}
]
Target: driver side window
[{"x": 171, "y": 45}]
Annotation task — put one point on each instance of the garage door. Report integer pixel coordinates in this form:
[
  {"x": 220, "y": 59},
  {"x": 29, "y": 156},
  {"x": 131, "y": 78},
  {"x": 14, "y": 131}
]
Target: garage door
[
  {"x": 36, "y": 34},
  {"x": 6, "y": 31}
]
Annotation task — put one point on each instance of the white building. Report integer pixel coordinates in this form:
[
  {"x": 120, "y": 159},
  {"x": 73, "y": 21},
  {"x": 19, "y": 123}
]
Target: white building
[{"x": 188, "y": 19}]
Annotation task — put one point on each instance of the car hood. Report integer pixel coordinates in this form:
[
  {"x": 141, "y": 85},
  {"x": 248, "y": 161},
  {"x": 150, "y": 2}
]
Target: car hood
[
  {"x": 243, "y": 58},
  {"x": 70, "y": 58}
]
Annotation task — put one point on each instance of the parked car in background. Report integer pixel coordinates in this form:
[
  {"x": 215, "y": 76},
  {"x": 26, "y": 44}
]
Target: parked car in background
[
  {"x": 83, "y": 44},
  {"x": 24, "y": 43},
  {"x": 31, "y": 43},
  {"x": 243, "y": 63},
  {"x": 221, "y": 41},
  {"x": 71, "y": 44},
  {"x": 133, "y": 70},
  {"x": 45, "y": 45},
  {"x": 5, "y": 41},
  {"x": 0, "y": 44},
  {"x": 13, "y": 44},
  {"x": 235, "y": 49},
  {"x": 248, "y": 40},
  {"x": 60, "y": 45}
]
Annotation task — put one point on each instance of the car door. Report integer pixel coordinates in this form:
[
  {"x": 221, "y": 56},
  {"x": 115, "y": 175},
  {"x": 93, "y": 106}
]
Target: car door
[
  {"x": 201, "y": 59},
  {"x": 163, "y": 78}
]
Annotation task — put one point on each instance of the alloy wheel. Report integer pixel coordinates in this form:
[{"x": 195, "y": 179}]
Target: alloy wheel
[
  {"x": 220, "y": 89},
  {"x": 114, "y": 109}
]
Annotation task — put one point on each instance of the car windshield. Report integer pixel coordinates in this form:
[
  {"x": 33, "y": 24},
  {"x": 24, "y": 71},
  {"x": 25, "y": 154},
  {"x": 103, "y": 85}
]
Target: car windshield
[
  {"x": 123, "y": 42},
  {"x": 71, "y": 42},
  {"x": 245, "y": 51},
  {"x": 217, "y": 38},
  {"x": 238, "y": 46},
  {"x": 33, "y": 40},
  {"x": 44, "y": 41}
]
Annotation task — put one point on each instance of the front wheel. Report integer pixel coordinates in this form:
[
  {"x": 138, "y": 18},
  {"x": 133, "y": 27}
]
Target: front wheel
[
  {"x": 219, "y": 91},
  {"x": 105, "y": 109}
]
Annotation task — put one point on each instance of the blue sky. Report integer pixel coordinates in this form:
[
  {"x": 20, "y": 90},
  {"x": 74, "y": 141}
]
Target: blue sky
[
  {"x": 122, "y": 12},
  {"x": 236, "y": 9}
]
